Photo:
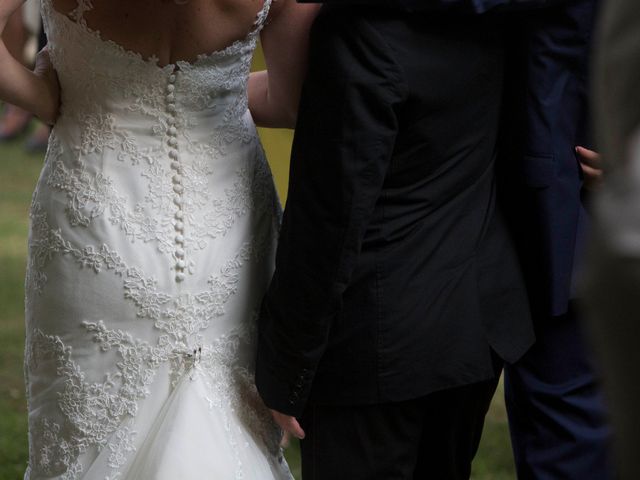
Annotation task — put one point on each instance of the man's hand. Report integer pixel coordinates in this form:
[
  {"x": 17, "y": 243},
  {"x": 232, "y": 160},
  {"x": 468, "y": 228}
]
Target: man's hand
[
  {"x": 289, "y": 426},
  {"x": 591, "y": 164}
]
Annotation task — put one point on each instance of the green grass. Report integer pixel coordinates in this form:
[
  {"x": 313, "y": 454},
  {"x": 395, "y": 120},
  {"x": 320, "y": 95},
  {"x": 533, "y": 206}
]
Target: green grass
[
  {"x": 494, "y": 460},
  {"x": 18, "y": 175}
]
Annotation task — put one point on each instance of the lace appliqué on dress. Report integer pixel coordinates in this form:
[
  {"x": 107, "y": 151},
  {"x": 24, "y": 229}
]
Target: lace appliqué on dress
[{"x": 93, "y": 415}]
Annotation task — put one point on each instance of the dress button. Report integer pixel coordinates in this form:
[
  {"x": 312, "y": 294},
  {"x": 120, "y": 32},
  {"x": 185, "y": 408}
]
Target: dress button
[
  {"x": 179, "y": 215},
  {"x": 170, "y": 88},
  {"x": 178, "y": 201},
  {"x": 171, "y": 121},
  {"x": 181, "y": 264},
  {"x": 179, "y": 239},
  {"x": 172, "y": 78},
  {"x": 180, "y": 277},
  {"x": 173, "y": 154},
  {"x": 171, "y": 107},
  {"x": 176, "y": 165},
  {"x": 178, "y": 189},
  {"x": 180, "y": 253},
  {"x": 171, "y": 97},
  {"x": 179, "y": 226},
  {"x": 173, "y": 142},
  {"x": 177, "y": 178},
  {"x": 173, "y": 131}
]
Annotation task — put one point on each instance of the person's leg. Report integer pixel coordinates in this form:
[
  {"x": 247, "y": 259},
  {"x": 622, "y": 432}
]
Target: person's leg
[
  {"x": 39, "y": 138},
  {"x": 433, "y": 437},
  {"x": 452, "y": 430},
  {"x": 556, "y": 414},
  {"x": 361, "y": 443}
]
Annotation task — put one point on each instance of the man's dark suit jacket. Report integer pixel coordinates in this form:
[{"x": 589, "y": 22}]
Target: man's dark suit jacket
[
  {"x": 395, "y": 276},
  {"x": 546, "y": 116}
]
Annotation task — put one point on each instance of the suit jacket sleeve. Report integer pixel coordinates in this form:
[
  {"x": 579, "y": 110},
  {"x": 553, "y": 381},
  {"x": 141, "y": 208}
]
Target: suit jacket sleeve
[{"x": 342, "y": 148}]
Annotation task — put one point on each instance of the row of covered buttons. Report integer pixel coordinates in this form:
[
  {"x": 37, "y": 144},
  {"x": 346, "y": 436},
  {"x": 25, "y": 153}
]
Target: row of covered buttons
[{"x": 178, "y": 188}]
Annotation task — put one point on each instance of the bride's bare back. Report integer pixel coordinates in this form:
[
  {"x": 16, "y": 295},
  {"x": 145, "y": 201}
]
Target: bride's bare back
[
  {"x": 166, "y": 29},
  {"x": 172, "y": 32}
]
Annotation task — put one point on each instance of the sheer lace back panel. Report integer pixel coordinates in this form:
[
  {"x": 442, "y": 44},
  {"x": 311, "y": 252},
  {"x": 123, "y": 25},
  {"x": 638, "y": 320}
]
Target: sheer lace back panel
[
  {"x": 100, "y": 72},
  {"x": 166, "y": 30}
]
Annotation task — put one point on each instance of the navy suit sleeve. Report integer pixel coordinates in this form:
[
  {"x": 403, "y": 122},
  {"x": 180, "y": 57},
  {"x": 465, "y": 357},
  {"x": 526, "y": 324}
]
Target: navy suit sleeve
[
  {"x": 542, "y": 180},
  {"x": 341, "y": 152}
]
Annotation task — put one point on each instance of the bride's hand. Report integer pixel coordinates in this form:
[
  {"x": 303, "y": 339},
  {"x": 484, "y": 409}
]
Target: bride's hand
[{"x": 44, "y": 70}]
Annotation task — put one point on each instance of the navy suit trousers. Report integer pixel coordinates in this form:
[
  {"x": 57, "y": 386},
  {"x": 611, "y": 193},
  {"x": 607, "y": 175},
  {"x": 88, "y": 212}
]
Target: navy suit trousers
[{"x": 559, "y": 428}]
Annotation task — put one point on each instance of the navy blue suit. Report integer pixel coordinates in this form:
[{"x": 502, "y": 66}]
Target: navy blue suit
[
  {"x": 557, "y": 420},
  {"x": 545, "y": 118}
]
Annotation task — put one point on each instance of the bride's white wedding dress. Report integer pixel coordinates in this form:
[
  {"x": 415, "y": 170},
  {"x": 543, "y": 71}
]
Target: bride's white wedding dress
[{"x": 152, "y": 237}]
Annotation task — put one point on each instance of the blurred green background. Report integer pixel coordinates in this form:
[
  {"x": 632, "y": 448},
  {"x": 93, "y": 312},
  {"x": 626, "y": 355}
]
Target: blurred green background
[{"x": 18, "y": 174}]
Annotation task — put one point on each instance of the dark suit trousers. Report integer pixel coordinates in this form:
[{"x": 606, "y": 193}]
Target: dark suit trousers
[
  {"x": 559, "y": 429},
  {"x": 432, "y": 437}
]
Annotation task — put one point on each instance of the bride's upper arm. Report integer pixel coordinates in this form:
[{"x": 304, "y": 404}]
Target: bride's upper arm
[
  {"x": 284, "y": 43},
  {"x": 7, "y": 7}
]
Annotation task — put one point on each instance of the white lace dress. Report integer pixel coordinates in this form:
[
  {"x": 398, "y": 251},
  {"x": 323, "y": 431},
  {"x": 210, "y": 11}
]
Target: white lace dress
[{"x": 152, "y": 238}]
